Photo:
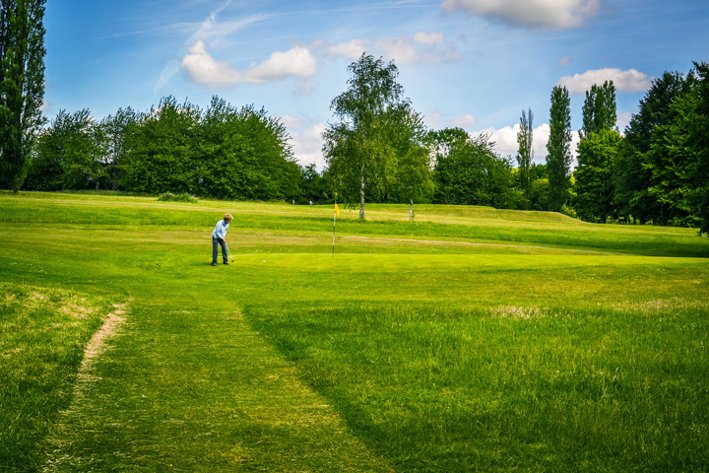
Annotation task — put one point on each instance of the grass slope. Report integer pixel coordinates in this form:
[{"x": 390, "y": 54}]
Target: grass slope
[{"x": 472, "y": 339}]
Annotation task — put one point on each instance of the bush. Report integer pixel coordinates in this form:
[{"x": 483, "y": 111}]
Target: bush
[
  {"x": 181, "y": 197},
  {"x": 566, "y": 210}
]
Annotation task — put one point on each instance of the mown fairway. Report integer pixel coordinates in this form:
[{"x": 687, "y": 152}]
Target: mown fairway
[{"x": 470, "y": 340}]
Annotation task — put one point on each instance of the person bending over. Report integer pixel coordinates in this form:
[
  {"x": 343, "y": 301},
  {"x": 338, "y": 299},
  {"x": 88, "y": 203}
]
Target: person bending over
[{"x": 219, "y": 239}]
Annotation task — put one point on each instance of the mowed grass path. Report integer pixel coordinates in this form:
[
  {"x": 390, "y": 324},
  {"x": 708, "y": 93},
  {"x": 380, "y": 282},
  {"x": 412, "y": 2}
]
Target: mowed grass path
[{"x": 470, "y": 340}]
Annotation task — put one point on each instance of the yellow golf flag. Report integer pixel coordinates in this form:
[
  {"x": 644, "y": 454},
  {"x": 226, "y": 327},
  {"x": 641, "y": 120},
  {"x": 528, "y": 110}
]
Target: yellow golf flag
[{"x": 337, "y": 209}]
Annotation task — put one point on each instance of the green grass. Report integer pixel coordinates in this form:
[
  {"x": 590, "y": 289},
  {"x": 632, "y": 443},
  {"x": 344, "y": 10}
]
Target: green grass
[
  {"x": 469, "y": 340},
  {"x": 42, "y": 338},
  {"x": 514, "y": 388}
]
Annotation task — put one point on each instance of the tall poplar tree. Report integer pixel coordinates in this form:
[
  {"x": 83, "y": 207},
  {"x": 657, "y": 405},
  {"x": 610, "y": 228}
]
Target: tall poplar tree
[
  {"x": 599, "y": 109},
  {"x": 701, "y": 140},
  {"x": 559, "y": 147},
  {"x": 21, "y": 85},
  {"x": 525, "y": 151},
  {"x": 598, "y": 152}
]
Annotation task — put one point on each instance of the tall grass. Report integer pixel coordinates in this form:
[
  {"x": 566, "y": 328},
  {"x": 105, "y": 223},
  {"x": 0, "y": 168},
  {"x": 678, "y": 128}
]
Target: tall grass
[
  {"x": 42, "y": 337},
  {"x": 515, "y": 388}
]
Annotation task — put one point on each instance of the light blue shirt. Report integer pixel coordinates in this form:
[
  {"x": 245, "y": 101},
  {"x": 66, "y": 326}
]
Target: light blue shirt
[{"x": 221, "y": 229}]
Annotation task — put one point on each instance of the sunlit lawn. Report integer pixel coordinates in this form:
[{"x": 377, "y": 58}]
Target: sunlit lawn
[{"x": 469, "y": 339}]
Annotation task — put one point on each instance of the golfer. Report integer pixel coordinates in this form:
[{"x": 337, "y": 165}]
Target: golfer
[{"x": 219, "y": 239}]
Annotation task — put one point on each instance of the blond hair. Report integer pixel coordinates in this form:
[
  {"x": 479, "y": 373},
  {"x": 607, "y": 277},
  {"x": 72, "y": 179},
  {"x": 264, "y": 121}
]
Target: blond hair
[{"x": 228, "y": 217}]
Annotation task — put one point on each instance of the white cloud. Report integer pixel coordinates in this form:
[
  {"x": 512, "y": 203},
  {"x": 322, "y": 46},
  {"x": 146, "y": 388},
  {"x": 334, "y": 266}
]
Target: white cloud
[
  {"x": 429, "y": 38},
  {"x": 421, "y": 48},
  {"x": 307, "y": 141},
  {"x": 631, "y": 80},
  {"x": 350, "y": 50},
  {"x": 554, "y": 14},
  {"x": 291, "y": 121},
  {"x": 204, "y": 69},
  {"x": 296, "y": 62},
  {"x": 465, "y": 120},
  {"x": 401, "y": 50},
  {"x": 505, "y": 139}
]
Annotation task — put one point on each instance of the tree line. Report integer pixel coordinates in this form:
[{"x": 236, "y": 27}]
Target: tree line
[
  {"x": 376, "y": 150},
  {"x": 222, "y": 152},
  {"x": 656, "y": 171}
]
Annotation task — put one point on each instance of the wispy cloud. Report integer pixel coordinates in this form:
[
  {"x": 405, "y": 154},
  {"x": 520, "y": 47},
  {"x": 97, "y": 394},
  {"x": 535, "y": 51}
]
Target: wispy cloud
[
  {"x": 631, "y": 80},
  {"x": 544, "y": 14},
  {"x": 211, "y": 29},
  {"x": 429, "y": 38},
  {"x": 419, "y": 48},
  {"x": 208, "y": 30}
]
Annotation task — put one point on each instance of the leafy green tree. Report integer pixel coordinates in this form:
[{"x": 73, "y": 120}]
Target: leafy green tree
[
  {"x": 413, "y": 181},
  {"x": 160, "y": 150},
  {"x": 245, "y": 154},
  {"x": 313, "y": 185},
  {"x": 673, "y": 161},
  {"x": 68, "y": 155},
  {"x": 467, "y": 171},
  {"x": 597, "y": 153},
  {"x": 45, "y": 167},
  {"x": 113, "y": 131},
  {"x": 540, "y": 194},
  {"x": 452, "y": 179},
  {"x": 242, "y": 154},
  {"x": 525, "y": 151},
  {"x": 539, "y": 187},
  {"x": 22, "y": 67},
  {"x": 82, "y": 166},
  {"x": 559, "y": 148},
  {"x": 271, "y": 164},
  {"x": 363, "y": 149},
  {"x": 223, "y": 153},
  {"x": 635, "y": 167}
]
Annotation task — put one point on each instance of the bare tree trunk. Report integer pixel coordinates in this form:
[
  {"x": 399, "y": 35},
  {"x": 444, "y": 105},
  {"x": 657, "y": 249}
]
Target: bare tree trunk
[
  {"x": 411, "y": 210},
  {"x": 361, "y": 197}
]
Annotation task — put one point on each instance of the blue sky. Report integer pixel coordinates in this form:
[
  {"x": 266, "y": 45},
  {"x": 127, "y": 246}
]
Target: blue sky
[{"x": 470, "y": 63}]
